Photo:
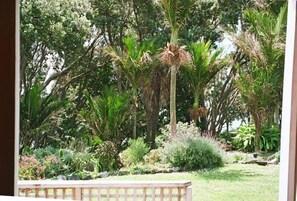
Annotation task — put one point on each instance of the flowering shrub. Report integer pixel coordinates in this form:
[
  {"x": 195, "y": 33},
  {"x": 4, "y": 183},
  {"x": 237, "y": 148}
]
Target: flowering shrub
[
  {"x": 53, "y": 166},
  {"x": 191, "y": 153},
  {"x": 182, "y": 129},
  {"x": 30, "y": 168}
]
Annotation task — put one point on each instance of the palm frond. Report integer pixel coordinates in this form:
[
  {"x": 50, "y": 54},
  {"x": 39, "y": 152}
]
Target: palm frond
[
  {"x": 205, "y": 65},
  {"x": 250, "y": 46},
  {"x": 176, "y": 11},
  {"x": 174, "y": 55}
]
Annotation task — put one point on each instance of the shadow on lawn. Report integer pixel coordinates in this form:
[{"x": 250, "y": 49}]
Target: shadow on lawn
[{"x": 227, "y": 175}]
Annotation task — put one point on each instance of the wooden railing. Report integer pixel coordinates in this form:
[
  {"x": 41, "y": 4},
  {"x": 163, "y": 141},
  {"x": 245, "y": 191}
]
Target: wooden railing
[{"x": 98, "y": 190}]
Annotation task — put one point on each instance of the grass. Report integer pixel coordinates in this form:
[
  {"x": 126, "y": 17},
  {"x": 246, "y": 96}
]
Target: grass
[{"x": 233, "y": 182}]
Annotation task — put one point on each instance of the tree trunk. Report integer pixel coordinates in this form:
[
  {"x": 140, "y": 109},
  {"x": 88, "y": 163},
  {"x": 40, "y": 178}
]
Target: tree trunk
[
  {"x": 135, "y": 106},
  {"x": 258, "y": 128},
  {"x": 173, "y": 69},
  {"x": 203, "y": 120},
  {"x": 152, "y": 107},
  {"x": 173, "y": 100}
]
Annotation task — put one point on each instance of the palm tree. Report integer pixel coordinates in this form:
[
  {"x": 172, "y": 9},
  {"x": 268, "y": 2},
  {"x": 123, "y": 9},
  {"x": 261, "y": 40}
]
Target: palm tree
[
  {"x": 132, "y": 62},
  {"x": 38, "y": 110},
  {"x": 107, "y": 114},
  {"x": 259, "y": 82},
  {"x": 175, "y": 13},
  {"x": 205, "y": 65}
]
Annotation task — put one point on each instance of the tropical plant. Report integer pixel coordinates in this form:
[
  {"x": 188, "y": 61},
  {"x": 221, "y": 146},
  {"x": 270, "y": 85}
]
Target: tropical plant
[
  {"x": 37, "y": 112},
  {"x": 205, "y": 65},
  {"x": 135, "y": 152},
  {"x": 132, "y": 62},
  {"x": 107, "y": 114},
  {"x": 270, "y": 138},
  {"x": 260, "y": 81},
  {"x": 155, "y": 92},
  {"x": 175, "y": 14},
  {"x": 244, "y": 138},
  {"x": 30, "y": 168}
]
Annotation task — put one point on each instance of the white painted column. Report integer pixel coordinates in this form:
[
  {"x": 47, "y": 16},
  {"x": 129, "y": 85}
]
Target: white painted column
[
  {"x": 17, "y": 95},
  {"x": 287, "y": 184}
]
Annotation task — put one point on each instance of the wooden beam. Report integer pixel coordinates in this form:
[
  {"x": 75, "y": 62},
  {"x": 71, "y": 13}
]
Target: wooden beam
[
  {"x": 288, "y": 167},
  {"x": 7, "y": 96}
]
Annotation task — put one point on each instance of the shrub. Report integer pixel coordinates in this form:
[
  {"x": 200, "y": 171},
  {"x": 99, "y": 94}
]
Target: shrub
[
  {"x": 192, "y": 153},
  {"x": 182, "y": 129},
  {"x": 30, "y": 168},
  {"x": 50, "y": 163},
  {"x": 270, "y": 138},
  {"x": 107, "y": 155},
  {"x": 226, "y": 137},
  {"x": 244, "y": 138},
  {"x": 84, "y": 161},
  {"x": 53, "y": 166},
  {"x": 153, "y": 156},
  {"x": 40, "y": 153},
  {"x": 135, "y": 152}
]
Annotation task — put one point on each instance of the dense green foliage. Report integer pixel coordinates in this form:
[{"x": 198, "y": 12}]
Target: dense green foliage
[
  {"x": 51, "y": 163},
  {"x": 192, "y": 153},
  {"x": 135, "y": 152},
  {"x": 188, "y": 150},
  {"x": 243, "y": 138},
  {"x": 97, "y": 73}
]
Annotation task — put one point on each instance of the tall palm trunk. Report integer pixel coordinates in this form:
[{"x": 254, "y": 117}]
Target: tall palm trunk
[
  {"x": 173, "y": 70},
  {"x": 173, "y": 100}
]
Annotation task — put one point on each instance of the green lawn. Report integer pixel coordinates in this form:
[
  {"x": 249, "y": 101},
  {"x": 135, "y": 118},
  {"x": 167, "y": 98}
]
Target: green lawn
[{"x": 234, "y": 182}]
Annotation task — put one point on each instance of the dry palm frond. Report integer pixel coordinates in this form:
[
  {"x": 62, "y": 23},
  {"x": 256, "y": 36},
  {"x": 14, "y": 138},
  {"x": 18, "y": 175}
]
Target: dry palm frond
[
  {"x": 174, "y": 55},
  {"x": 251, "y": 47},
  {"x": 113, "y": 53},
  {"x": 279, "y": 45},
  {"x": 146, "y": 58},
  {"x": 260, "y": 4},
  {"x": 196, "y": 113}
]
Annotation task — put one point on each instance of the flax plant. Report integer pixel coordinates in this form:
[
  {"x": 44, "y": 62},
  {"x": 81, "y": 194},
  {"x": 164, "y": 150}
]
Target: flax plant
[{"x": 260, "y": 80}]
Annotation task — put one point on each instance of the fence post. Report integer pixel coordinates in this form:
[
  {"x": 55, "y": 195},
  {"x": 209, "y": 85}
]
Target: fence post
[
  {"x": 189, "y": 193},
  {"x": 78, "y": 193}
]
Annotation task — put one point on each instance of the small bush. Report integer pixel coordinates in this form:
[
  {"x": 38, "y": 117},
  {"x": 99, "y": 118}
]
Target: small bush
[
  {"x": 182, "y": 130},
  {"x": 53, "y": 166},
  {"x": 244, "y": 138},
  {"x": 135, "y": 152},
  {"x": 45, "y": 163},
  {"x": 191, "y": 153},
  {"x": 84, "y": 161},
  {"x": 30, "y": 168},
  {"x": 270, "y": 138},
  {"x": 226, "y": 137},
  {"x": 153, "y": 157},
  {"x": 107, "y": 155}
]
